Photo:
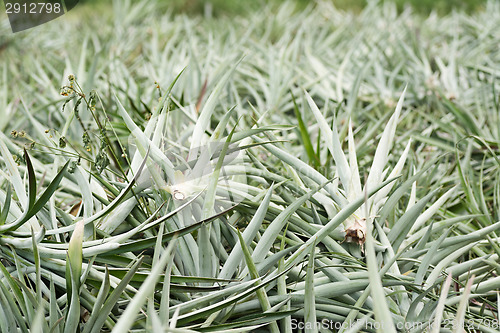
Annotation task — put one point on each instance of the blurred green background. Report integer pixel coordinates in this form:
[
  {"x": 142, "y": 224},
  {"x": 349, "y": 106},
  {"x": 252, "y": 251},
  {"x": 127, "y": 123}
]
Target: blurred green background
[
  {"x": 240, "y": 6},
  {"x": 236, "y": 7}
]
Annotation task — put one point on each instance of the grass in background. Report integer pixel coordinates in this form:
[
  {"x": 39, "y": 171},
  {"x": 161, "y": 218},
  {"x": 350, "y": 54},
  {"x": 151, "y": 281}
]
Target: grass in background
[{"x": 235, "y": 7}]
